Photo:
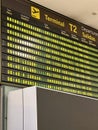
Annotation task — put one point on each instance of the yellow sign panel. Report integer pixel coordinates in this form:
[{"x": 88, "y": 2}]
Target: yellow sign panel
[{"x": 35, "y": 12}]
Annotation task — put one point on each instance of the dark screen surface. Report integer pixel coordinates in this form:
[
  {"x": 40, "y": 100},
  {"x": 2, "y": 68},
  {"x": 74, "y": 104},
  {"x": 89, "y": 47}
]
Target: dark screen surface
[
  {"x": 61, "y": 111},
  {"x": 41, "y": 47}
]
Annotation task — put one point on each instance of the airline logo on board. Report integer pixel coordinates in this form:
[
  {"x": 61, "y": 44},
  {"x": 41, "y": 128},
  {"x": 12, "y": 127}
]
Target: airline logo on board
[{"x": 35, "y": 12}]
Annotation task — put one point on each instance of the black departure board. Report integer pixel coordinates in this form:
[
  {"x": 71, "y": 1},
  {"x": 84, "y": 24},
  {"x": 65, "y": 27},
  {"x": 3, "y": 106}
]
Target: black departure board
[{"x": 40, "y": 47}]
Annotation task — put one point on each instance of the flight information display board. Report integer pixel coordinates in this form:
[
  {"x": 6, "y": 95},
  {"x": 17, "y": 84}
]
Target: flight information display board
[{"x": 40, "y": 47}]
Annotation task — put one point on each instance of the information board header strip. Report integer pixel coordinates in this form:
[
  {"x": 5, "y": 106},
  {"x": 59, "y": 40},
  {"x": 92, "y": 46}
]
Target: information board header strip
[{"x": 66, "y": 25}]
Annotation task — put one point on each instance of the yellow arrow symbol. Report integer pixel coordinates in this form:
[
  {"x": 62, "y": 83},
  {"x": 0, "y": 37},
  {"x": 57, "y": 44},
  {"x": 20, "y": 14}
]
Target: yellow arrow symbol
[{"x": 35, "y": 12}]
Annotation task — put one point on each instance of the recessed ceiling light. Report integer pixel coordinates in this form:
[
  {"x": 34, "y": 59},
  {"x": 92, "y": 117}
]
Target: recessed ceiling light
[{"x": 94, "y": 13}]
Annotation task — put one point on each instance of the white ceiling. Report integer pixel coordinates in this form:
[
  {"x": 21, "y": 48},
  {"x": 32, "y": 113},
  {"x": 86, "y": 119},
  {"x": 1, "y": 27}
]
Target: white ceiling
[{"x": 85, "y": 11}]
